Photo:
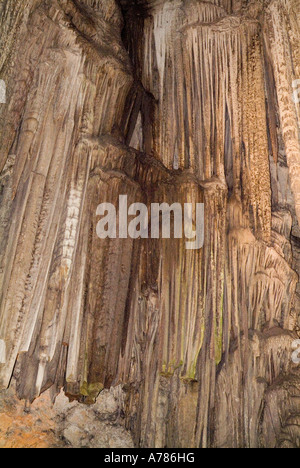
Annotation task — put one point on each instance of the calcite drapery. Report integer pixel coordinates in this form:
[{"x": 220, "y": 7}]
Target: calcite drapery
[{"x": 192, "y": 102}]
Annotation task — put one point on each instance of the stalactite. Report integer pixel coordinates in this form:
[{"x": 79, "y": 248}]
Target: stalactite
[
  {"x": 198, "y": 109},
  {"x": 284, "y": 75}
]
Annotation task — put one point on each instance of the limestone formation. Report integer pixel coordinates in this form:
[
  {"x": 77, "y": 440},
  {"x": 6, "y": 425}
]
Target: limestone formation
[{"x": 165, "y": 101}]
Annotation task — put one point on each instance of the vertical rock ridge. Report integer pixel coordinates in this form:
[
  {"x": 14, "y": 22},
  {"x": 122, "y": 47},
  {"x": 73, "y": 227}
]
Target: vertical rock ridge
[{"x": 175, "y": 102}]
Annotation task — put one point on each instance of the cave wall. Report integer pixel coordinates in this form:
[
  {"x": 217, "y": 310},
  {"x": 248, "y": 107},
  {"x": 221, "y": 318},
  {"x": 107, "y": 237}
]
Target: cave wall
[{"x": 164, "y": 101}]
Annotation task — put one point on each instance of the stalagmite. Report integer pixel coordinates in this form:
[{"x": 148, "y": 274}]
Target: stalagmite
[{"x": 151, "y": 344}]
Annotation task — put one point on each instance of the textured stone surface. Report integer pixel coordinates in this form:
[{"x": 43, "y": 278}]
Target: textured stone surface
[
  {"x": 61, "y": 424},
  {"x": 165, "y": 101}
]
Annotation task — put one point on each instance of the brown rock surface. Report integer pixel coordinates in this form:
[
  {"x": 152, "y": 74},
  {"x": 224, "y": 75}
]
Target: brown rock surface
[
  {"x": 164, "y": 101},
  {"x": 60, "y": 424}
]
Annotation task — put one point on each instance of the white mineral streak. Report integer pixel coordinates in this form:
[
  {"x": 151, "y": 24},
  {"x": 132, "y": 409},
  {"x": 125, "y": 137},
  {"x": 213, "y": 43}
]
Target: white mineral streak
[
  {"x": 164, "y": 19},
  {"x": 70, "y": 237},
  {"x": 2, "y": 352},
  {"x": 53, "y": 327},
  {"x": 41, "y": 372},
  {"x": 76, "y": 325},
  {"x": 137, "y": 136}
]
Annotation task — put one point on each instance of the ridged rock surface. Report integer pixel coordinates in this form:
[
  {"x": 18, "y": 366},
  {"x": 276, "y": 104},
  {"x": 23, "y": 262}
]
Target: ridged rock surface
[{"x": 164, "y": 101}]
